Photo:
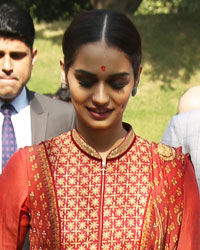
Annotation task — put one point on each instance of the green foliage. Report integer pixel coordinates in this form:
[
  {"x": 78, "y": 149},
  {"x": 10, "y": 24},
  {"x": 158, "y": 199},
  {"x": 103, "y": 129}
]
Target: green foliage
[
  {"x": 126, "y": 6},
  {"x": 54, "y": 9},
  {"x": 190, "y": 6},
  {"x": 168, "y": 6}
]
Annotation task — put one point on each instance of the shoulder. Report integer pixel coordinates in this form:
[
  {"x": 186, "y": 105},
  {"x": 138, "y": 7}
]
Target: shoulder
[
  {"x": 56, "y": 109},
  {"x": 167, "y": 153},
  {"x": 160, "y": 150},
  {"x": 182, "y": 126},
  {"x": 168, "y": 169},
  {"x": 168, "y": 162},
  {"x": 58, "y": 143},
  {"x": 45, "y": 101},
  {"x": 190, "y": 116}
]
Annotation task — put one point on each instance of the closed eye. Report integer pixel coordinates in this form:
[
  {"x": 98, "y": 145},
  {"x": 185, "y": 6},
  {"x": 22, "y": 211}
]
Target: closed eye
[
  {"x": 85, "y": 79},
  {"x": 119, "y": 85},
  {"x": 86, "y": 83},
  {"x": 119, "y": 81}
]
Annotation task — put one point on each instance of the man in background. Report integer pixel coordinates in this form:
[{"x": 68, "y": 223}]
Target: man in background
[
  {"x": 190, "y": 100},
  {"x": 184, "y": 128},
  {"x": 26, "y": 117}
]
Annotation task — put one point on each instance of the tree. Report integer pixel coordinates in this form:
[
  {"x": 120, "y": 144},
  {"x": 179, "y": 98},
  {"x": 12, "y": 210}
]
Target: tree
[
  {"x": 169, "y": 6},
  {"x": 126, "y": 6},
  {"x": 52, "y": 10}
]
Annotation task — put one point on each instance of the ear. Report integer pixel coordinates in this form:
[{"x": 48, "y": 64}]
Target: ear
[
  {"x": 62, "y": 72},
  {"x": 34, "y": 56},
  {"x": 138, "y": 77}
]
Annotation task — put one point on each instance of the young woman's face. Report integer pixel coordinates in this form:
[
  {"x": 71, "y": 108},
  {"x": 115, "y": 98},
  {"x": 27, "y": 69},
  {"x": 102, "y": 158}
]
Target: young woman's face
[{"x": 101, "y": 80}]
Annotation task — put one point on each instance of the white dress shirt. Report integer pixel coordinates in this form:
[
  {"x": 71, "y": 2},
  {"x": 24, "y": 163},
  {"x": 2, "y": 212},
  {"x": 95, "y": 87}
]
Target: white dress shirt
[{"x": 21, "y": 122}]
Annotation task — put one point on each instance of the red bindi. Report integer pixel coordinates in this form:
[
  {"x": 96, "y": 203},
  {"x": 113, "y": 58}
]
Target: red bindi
[{"x": 103, "y": 68}]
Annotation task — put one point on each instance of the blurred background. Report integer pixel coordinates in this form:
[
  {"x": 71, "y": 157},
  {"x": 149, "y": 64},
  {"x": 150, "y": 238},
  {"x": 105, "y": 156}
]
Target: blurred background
[{"x": 171, "y": 53}]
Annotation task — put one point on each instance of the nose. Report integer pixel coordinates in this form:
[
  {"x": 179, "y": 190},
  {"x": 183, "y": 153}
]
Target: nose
[
  {"x": 6, "y": 64},
  {"x": 100, "y": 95}
]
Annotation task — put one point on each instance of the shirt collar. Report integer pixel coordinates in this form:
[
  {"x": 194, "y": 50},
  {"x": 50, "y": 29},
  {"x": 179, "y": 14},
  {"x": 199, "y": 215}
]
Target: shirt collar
[{"x": 20, "y": 102}]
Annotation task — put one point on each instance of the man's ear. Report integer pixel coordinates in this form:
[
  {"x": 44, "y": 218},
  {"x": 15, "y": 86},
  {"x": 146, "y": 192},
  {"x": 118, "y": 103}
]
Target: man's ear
[{"x": 34, "y": 56}]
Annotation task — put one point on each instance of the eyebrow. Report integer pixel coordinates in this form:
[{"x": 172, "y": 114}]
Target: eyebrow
[
  {"x": 93, "y": 75},
  {"x": 120, "y": 74},
  {"x": 84, "y": 72}
]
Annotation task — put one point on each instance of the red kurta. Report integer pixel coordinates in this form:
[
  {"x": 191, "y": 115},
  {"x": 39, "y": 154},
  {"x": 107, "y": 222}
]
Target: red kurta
[{"x": 144, "y": 196}]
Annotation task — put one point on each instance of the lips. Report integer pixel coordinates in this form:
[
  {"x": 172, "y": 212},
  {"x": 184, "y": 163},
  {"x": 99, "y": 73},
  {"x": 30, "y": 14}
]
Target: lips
[
  {"x": 100, "y": 113},
  {"x": 8, "y": 79}
]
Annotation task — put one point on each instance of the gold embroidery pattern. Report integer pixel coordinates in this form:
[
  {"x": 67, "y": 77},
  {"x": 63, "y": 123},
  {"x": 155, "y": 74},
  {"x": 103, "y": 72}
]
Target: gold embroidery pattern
[
  {"x": 124, "y": 146},
  {"x": 159, "y": 226},
  {"x": 167, "y": 186},
  {"x": 130, "y": 220},
  {"x": 78, "y": 180},
  {"x": 166, "y": 153},
  {"x": 43, "y": 212},
  {"x": 84, "y": 146},
  {"x": 113, "y": 154},
  {"x": 146, "y": 233},
  {"x": 179, "y": 217}
]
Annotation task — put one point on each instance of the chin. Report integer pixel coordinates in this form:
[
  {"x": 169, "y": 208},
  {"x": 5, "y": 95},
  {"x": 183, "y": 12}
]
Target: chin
[
  {"x": 7, "y": 98},
  {"x": 99, "y": 126}
]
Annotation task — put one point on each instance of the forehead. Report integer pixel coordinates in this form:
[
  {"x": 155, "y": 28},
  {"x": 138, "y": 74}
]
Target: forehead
[
  {"x": 7, "y": 44},
  {"x": 99, "y": 54}
]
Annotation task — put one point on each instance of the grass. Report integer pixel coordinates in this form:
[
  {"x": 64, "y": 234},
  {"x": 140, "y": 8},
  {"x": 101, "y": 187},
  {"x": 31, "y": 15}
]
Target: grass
[{"x": 171, "y": 64}]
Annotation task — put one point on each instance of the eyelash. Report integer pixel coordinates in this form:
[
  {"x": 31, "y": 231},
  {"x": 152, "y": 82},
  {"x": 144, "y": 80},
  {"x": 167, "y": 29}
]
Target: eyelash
[
  {"x": 115, "y": 86},
  {"x": 86, "y": 84},
  {"x": 118, "y": 86}
]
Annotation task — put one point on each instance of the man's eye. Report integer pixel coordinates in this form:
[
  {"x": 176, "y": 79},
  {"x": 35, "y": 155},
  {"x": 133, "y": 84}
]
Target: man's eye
[
  {"x": 1, "y": 54},
  {"x": 17, "y": 55}
]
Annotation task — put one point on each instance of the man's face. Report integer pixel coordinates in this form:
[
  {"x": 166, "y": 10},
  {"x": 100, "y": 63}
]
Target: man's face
[{"x": 16, "y": 63}]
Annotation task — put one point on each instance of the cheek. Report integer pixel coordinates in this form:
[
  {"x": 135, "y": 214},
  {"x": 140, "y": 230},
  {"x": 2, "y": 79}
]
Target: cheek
[
  {"x": 78, "y": 96},
  {"x": 124, "y": 103},
  {"x": 121, "y": 100},
  {"x": 24, "y": 71}
]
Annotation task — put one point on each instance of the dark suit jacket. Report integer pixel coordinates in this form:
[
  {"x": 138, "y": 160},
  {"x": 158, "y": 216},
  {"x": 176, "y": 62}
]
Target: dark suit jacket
[{"x": 49, "y": 118}]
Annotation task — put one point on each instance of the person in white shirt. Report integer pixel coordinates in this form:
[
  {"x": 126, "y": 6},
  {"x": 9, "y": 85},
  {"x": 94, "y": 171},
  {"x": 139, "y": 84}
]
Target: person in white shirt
[{"x": 184, "y": 128}]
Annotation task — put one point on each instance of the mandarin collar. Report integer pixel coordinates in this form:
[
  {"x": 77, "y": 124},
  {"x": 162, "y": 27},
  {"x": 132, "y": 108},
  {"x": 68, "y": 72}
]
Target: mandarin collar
[{"x": 116, "y": 152}]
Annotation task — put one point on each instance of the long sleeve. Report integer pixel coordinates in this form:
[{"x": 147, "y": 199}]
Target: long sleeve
[
  {"x": 190, "y": 229},
  {"x": 13, "y": 210}
]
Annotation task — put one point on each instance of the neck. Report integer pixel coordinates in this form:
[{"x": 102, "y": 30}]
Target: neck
[{"x": 103, "y": 141}]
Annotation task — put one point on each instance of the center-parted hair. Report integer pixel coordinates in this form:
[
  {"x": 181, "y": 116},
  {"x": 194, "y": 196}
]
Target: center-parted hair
[
  {"x": 16, "y": 23},
  {"x": 112, "y": 27}
]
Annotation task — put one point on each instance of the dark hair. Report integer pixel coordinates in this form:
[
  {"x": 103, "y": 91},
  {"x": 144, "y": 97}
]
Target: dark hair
[
  {"x": 16, "y": 23},
  {"x": 102, "y": 25}
]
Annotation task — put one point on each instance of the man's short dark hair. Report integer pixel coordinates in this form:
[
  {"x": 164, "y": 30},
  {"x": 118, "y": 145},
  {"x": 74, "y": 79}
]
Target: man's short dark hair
[{"x": 16, "y": 23}]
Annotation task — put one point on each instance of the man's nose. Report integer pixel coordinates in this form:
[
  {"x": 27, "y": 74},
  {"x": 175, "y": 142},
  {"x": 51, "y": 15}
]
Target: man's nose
[{"x": 6, "y": 64}]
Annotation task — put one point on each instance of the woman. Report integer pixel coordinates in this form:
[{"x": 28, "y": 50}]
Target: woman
[{"x": 100, "y": 186}]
